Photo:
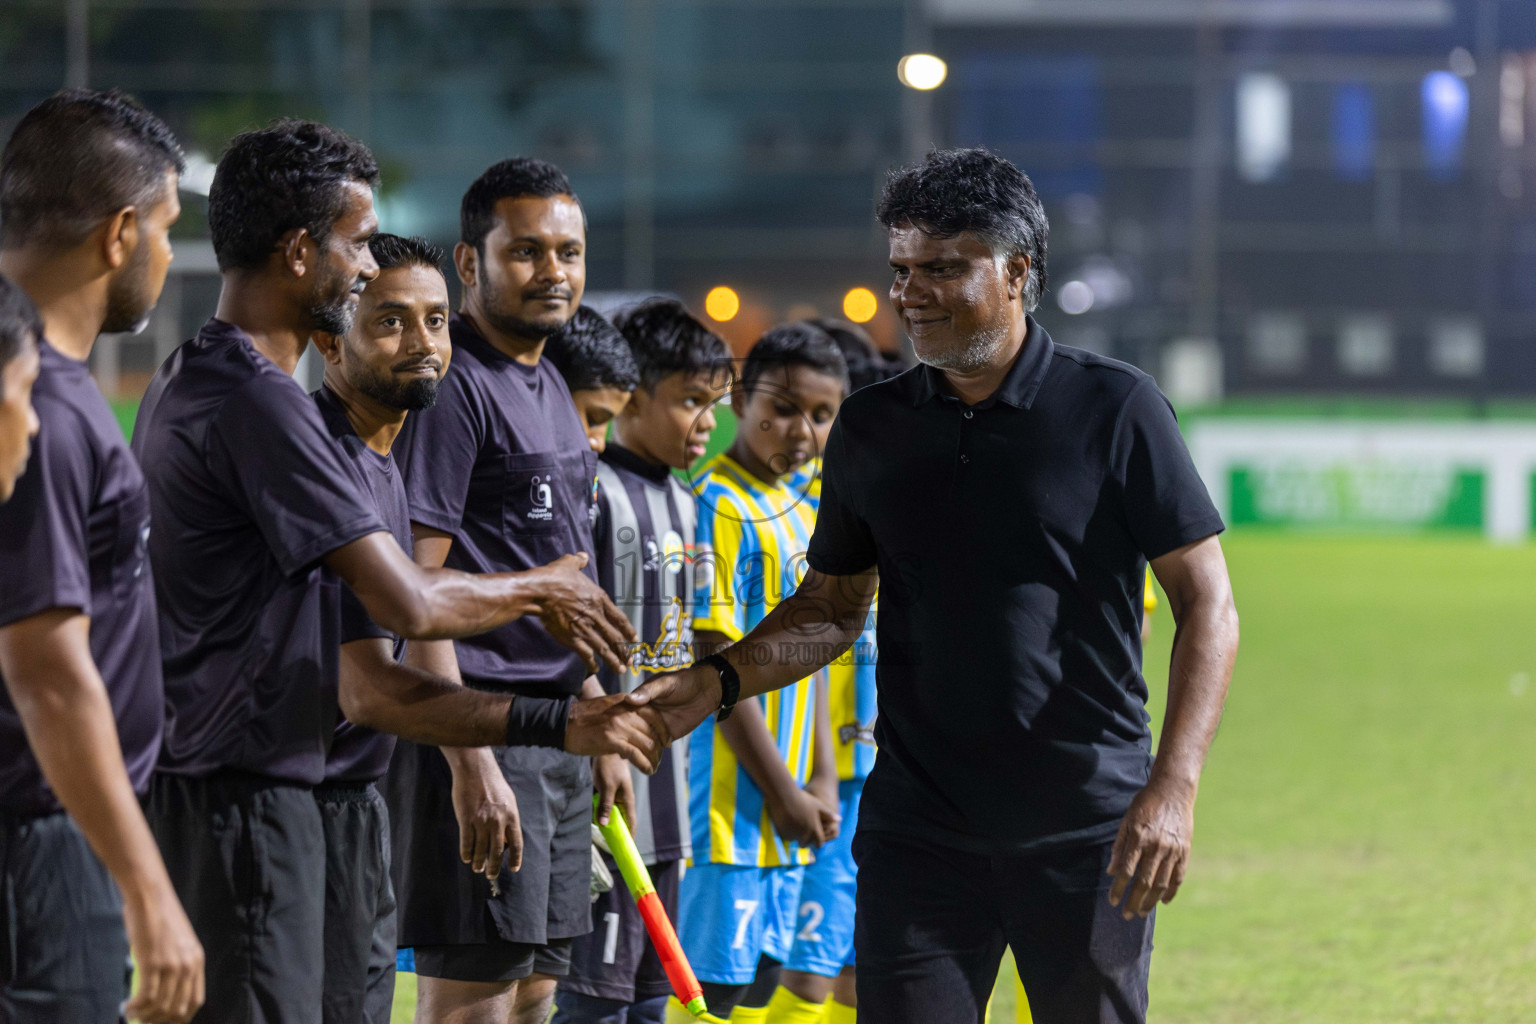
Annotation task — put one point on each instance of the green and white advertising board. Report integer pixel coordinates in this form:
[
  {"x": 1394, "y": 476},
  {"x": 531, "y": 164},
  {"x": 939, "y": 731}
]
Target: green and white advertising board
[{"x": 1375, "y": 476}]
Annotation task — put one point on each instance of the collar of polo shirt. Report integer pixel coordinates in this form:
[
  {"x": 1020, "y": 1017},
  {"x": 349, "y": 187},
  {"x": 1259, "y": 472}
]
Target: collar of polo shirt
[{"x": 1018, "y": 388}]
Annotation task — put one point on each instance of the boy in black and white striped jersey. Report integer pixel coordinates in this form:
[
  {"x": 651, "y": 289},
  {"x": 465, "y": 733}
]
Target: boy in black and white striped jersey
[{"x": 644, "y": 538}]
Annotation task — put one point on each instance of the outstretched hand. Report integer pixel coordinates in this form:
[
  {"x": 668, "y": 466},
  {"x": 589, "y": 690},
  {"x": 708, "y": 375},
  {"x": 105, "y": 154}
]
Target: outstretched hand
[
  {"x": 613, "y": 725},
  {"x": 580, "y": 616},
  {"x": 681, "y": 699}
]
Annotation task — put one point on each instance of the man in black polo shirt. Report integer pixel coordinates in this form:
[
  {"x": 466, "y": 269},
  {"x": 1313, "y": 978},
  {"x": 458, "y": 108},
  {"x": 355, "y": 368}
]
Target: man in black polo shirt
[
  {"x": 1009, "y": 492},
  {"x": 500, "y": 477},
  {"x": 87, "y": 197},
  {"x": 252, "y": 502}
]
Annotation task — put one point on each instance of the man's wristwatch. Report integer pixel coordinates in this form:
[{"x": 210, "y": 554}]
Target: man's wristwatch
[{"x": 730, "y": 684}]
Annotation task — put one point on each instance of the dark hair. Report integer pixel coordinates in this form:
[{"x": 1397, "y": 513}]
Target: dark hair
[
  {"x": 398, "y": 251},
  {"x": 291, "y": 174},
  {"x": 796, "y": 344},
  {"x": 20, "y": 326},
  {"x": 77, "y": 158},
  {"x": 667, "y": 339},
  {"x": 959, "y": 190},
  {"x": 519, "y": 176},
  {"x": 866, "y": 364},
  {"x": 590, "y": 353}
]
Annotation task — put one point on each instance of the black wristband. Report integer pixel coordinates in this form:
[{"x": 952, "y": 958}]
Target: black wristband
[
  {"x": 730, "y": 684},
  {"x": 538, "y": 721}
]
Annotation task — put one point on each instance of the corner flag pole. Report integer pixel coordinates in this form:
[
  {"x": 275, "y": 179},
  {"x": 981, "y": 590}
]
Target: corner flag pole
[{"x": 638, "y": 880}]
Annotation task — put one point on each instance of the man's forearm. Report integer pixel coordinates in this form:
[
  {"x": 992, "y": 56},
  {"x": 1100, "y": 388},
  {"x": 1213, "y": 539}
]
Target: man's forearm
[
  {"x": 65, "y": 712},
  {"x": 438, "y": 658},
  {"x": 805, "y": 632},
  {"x": 419, "y": 706},
  {"x": 454, "y": 604},
  {"x": 430, "y": 602},
  {"x": 1204, "y": 650}
]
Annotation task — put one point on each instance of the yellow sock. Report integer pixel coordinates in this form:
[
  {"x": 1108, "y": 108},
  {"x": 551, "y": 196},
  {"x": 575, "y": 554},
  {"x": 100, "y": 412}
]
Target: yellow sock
[
  {"x": 837, "y": 1013},
  {"x": 749, "y": 1015},
  {"x": 676, "y": 1014},
  {"x": 787, "y": 1008}
]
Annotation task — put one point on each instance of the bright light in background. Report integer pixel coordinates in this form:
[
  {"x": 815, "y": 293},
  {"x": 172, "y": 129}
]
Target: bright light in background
[
  {"x": 1445, "y": 100},
  {"x": 860, "y": 305},
  {"x": 722, "y": 303},
  {"x": 1074, "y": 297},
  {"x": 921, "y": 71},
  {"x": 1263, "y": 125},
  {"x": 198, "y": 177}
]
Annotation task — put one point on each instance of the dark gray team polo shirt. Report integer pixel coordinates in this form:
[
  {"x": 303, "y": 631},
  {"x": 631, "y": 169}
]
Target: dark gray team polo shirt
[
  {"x": 248, "y": 492},
  {"x": 73, "y": 536},
  {"x": 1011, "y": 538},
  {"x": 502, "y": 463},
  {"x": 359, "y": 754}
]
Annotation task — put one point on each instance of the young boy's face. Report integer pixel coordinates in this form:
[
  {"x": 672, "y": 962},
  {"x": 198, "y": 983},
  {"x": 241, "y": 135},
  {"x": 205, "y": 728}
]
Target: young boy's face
[
  {"x": 597, "y": 408},
  {"x": 787, "y": 416},
  {"x": 671, "y": 425}
]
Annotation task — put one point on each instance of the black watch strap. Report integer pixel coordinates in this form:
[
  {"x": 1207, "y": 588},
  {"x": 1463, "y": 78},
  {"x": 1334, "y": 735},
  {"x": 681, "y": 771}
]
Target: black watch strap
[{"x": 730, "y": 684}]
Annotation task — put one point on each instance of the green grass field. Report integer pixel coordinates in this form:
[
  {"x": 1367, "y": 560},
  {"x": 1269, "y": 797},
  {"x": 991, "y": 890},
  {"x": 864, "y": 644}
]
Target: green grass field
[{"x": 1367, "y": 813}]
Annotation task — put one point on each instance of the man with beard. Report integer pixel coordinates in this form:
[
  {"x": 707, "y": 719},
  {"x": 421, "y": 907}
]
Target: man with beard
[
  {"x": 87, "y": 198},
  {"x": 389, "y": 364},
  {"x": 1014, "y": 799},
  {"x": 252, "y": 501},
  {"x": 500, "y": 475}
]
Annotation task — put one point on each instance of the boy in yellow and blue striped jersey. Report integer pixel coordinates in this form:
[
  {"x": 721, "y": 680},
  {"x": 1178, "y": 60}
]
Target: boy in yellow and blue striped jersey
[
  {"x": 763, "y": 783},
  {"x": 820, "y": 962}
]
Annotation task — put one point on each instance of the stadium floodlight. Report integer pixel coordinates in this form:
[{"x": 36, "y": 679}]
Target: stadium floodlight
[
  {"x": 722, "y": 303},
  {"x": 922, "y": 71},
  {"x": 860, "y": 305}
]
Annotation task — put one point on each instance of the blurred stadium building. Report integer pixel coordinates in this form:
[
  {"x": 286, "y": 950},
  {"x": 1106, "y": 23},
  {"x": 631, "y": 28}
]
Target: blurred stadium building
[{"x": 1247, "y": 196}]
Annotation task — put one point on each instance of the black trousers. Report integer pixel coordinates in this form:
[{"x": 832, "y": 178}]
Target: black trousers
[
  {"x": 63, "y": 951},
  {"x": 933, "y": 921},
  {"x": 247, "y": 857},
  {"x": 359, "y": 906}
]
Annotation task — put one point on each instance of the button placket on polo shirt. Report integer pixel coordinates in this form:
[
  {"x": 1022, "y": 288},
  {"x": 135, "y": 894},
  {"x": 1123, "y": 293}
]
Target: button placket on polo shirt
[{"x": 963, "y": 448}]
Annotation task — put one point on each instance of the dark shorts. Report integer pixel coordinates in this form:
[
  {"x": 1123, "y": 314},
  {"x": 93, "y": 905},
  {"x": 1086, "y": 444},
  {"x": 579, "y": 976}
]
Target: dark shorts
[
  {"x": 932, "y": 923},
  {"x": 247, "y": 857},
  {"x": 63, "y": 951},
  {"x": 494, "y": 961},
  {"x": 443, "y": 903},
  {"x": 616, "y": 959},
  {"x": 359, "y": 906}
]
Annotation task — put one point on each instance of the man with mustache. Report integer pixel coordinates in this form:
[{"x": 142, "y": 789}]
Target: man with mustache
[
  {"x": 252, "y": 503},
  {"x": 388, "y": 365},
  {"x": 500, "y": 478},
  {"x": 88, "y": 194},
  {"x": 1008, "y": 494}
]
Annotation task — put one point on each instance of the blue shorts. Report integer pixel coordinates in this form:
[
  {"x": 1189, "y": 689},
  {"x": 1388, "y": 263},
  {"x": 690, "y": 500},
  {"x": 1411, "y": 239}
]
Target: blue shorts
[
  {"x": 729, "y": 915},
  {"x": 824, "y": 937}
]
